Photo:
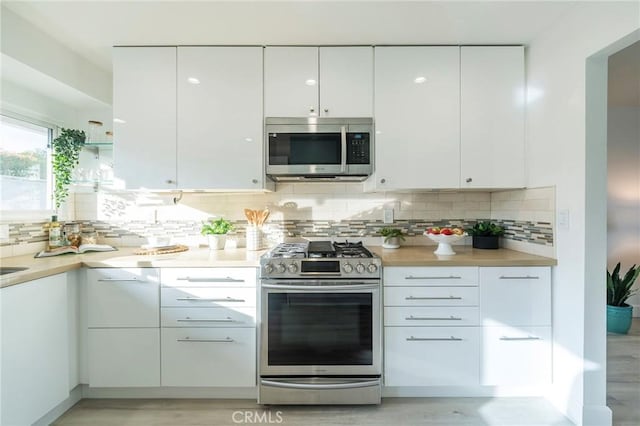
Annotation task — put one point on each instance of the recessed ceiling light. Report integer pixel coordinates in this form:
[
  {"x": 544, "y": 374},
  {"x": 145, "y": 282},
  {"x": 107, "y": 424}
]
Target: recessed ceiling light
[
  {"x": 419, "y": 80},
  {"x": 119, "y": 120},
  {"x": 310, "y": 82},
  {"x": 193, "y": 80}
]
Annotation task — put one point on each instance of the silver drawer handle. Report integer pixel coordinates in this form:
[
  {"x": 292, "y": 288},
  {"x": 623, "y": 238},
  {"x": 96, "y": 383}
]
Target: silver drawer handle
[
  {"x": 121, "y": 279},
  {"x": 200, "y": 299},
  {"x": 187, "y": 319},
  {"x": 519, "y": 338},
  {"x": 526, "y": 277},
  {"x": 433, "y": 298},
  {"x": 450, "y": 277},
  {"x": 212, "y": 280},
  {"x": 451, "y": 318},
  {"x": 190, "y": 340},
  {"x": 353, "y": 385},
  {"x": 433, "y": 339}
]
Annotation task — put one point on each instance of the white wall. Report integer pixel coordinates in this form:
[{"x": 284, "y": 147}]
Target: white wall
[
  {"x": 23, "y": 101},
  {"x": 557, "y": 155},
  {"x": 623, "y": 211}
]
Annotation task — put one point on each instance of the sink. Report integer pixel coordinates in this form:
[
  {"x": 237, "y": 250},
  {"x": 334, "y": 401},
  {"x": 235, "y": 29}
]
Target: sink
[{"x": 11, "y": 269}]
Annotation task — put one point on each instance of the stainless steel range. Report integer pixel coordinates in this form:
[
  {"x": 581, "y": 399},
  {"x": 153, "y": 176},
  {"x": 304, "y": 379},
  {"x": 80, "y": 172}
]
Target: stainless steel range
[{"x": 320, "y": 329}]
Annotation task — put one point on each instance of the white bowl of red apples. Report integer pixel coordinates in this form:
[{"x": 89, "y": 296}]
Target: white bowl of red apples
[{"x": 445, "y": 237}]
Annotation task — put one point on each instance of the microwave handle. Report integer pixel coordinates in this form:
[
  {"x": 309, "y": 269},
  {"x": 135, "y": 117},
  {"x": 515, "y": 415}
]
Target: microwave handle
[{"x": 343, "y": 156}]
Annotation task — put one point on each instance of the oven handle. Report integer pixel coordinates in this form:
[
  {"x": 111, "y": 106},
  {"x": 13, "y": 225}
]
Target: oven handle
[
  {"x": 321, "y": 287},
  {"x": 343, "y": 146},
  {"x": 320, "y": 386}
]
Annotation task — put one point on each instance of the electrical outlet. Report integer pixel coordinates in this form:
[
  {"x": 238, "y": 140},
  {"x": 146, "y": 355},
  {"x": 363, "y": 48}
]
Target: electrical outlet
[
  {"x": 563, "y": 219},
  {"x": 388, "y": 216}
]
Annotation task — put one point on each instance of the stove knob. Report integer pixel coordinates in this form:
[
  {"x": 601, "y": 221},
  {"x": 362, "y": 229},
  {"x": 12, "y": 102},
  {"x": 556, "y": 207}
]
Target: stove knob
[
  {"x": 372, "y": 268},
  {"x": 268, "y": 268},
  {"x": 281, "y": 268},
  {"x": 292, "y": 268},
  {"x": 359, "y": 268},
  {"x": 348, "y": 268}
]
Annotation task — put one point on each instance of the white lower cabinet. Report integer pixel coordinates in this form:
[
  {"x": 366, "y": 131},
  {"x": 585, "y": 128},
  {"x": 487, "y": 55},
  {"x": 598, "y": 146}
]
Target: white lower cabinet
[
  {"x": 431, "y": 356},
  {"x": 516, "y": 356},
  {"x": 208, "y": 327},
  {"x": 124, "y": 357},
  {"x": 34, "y": 366},
  {"x": 208, "y": 357}
]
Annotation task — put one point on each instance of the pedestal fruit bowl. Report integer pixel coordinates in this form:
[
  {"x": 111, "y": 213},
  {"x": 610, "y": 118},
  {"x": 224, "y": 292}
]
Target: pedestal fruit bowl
[{"x": 445, "y": 237}]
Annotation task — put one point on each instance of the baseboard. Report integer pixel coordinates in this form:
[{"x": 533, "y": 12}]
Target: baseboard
[
  {"x": 461, "y": 391},
  {"x": 170, "y": 392},
  {"x": 75, "y": 395}
]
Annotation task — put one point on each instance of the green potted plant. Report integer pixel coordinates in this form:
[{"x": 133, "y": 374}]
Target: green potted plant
[
  {"x": 391, "y": 237},
  {"x": 619, "y": 313},
  {"x": 216, "y": 231},
  {"x": 485, "y": 235},
  {"x": 65, "y": 157}
]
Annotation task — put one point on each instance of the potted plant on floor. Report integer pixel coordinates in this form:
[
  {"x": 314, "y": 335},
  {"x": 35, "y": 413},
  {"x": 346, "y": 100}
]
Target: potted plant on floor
[
  {"x": 619, "y": 313},
  {"x": 216, "y": 231},
  {"x": 486, "y": 235},
  {"x": 391, "y": 237}
]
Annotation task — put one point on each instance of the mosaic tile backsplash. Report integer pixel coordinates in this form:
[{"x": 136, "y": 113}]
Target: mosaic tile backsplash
[{"x": 136, "y": 232}]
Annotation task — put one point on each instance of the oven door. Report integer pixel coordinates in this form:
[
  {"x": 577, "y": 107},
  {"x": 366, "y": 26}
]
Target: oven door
[{"x": 320, "y": 328}]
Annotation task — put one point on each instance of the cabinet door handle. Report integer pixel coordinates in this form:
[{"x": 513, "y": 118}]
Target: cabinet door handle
[
  {"x": 170, "y": 181},
  {"x": 187, "y": 319},
  {"x": 190, "y": 340},
  {"x": 433, "y": 298},
  {"x": 525, "y": 277},
  {"x": 450, "y": 318},
  {"x": 519, "y": 338},
  {"x": 121, "y": 279},
  {"x": 450, "y": 277},
  {"x": 468, "y": 180},
  {"x": 210, "y": 279},
  {"x": 433, "y": 339},
  {"x": 201, "y": 299}
]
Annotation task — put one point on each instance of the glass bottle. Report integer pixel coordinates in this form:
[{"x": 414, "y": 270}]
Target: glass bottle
[
  {"x": 55, "y": 233},
  {"x": 93, "y": 131}
]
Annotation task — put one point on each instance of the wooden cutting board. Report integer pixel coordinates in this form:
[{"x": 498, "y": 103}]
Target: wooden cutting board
[{"x": 162, "y": 250}]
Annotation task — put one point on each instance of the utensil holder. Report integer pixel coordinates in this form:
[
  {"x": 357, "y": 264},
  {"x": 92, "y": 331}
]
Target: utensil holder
[{"x": 254, "y": 238}]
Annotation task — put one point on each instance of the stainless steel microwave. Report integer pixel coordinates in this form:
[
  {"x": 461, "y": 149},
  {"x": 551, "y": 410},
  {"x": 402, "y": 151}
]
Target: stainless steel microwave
[{"x": 319, "y": 148}]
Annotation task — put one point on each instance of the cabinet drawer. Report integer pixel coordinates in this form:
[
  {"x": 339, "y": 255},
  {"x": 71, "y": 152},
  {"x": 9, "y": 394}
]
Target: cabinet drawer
[
  {"x": 208, "y": 317},
  {"x": 208, "y": 277},
  {"x": 208, "y": 297},
  {"x": 431, "y": 356},
  {"x": 123, "y": 298},
  {"x": 515, "y": 296},
  {"x": 431, "y": 296},
  {"x": 516, "y": 356},
  {"x": 431, "y": 316},
  {"x": 209, "y": 357},
  {"x": 124, "y": 357},
  {"x": 436, "y": 276}
]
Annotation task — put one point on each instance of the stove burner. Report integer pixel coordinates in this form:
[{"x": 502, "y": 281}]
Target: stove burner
[
  {"x": 320, "y": 249},
  {"x": 290, "y": 250},
  {"x": 350, "y": 249}
]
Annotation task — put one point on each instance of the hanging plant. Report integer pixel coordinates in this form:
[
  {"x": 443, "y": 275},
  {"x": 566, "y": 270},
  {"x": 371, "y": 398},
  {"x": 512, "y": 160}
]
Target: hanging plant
[{"x": 66, "y": 155}]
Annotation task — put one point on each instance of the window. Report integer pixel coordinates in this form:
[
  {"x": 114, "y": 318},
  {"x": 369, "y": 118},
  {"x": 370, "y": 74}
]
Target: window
[{"x": 25, "y": 166}]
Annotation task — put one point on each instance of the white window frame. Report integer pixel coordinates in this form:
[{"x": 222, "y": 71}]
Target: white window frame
[{"x": 39, "y": 215}]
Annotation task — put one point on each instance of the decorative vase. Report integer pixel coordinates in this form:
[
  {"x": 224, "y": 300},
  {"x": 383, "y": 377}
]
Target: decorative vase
[
  {"x": 217, "y": 241},
  {"x": 485, "y": 241},
  {"x": 619, "y": 319},
  {"x": 391, "y": 242}
]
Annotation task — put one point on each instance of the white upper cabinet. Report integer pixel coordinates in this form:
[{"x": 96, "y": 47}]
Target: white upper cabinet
[
  {"x": 417, "y": 112},
  {"x": 492, "y": 116},
  {"x": 346, "y": 81},
  {"x": 144, "y": 97},
  {"x": 220, "y": 117},
  {"x": 312, "y": 81}
]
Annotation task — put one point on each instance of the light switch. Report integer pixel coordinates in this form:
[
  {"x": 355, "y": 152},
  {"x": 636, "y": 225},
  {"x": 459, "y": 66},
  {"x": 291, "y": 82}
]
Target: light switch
[
  {"x": 563, "y": 219},
  {"x": 388, "y": 216}
]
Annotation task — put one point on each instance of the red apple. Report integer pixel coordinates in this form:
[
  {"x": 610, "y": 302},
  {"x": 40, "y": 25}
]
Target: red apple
[{"x": 446, "y": 231}]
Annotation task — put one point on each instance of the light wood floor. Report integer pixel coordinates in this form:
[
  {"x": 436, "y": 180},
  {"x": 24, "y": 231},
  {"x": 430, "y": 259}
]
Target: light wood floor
[{"x": 623, "y": 398}]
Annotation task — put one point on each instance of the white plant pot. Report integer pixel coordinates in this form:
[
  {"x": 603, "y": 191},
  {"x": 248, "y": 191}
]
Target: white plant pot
[
  {"x": 217, "y": 241},
  {"x": 391, "y": 243}
]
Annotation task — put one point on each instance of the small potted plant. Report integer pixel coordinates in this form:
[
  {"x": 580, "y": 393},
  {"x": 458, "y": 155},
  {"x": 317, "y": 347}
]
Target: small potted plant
[
  {"x": 65, "y": 157},
  {"x": 216, "y": 231},
  {"x": 619, "y": 313},
  {"x": 391, "y": 237},
  {"x": 485, "y": 235}
]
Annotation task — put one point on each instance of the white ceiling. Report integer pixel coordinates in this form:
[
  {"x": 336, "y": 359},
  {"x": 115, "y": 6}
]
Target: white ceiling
[{"x": 91, "y": 28}]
